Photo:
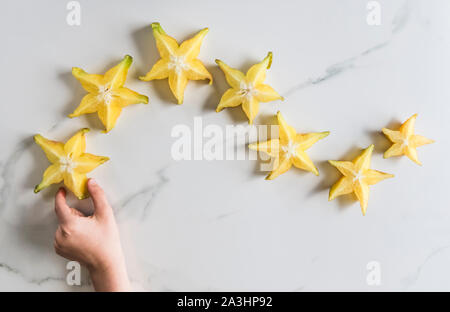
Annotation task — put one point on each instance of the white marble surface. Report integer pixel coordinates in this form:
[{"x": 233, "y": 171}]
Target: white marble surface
[{"x": 218, "y": 225}]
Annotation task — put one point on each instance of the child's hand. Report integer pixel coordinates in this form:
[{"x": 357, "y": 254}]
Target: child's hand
[{"x": 93, "y": 241}]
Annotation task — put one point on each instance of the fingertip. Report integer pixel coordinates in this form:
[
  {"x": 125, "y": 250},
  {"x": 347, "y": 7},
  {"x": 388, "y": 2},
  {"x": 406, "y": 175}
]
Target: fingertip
[
  {"x": 92, "y": 182},
  {"x": 94, "y": 189},
  {"x": 60, "y": 194},
  {"x": 99, "y": 199},
  {"x": 61, "y": 206}
]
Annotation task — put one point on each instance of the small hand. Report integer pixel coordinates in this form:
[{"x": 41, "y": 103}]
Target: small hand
[{"x": 93, "y": 241}]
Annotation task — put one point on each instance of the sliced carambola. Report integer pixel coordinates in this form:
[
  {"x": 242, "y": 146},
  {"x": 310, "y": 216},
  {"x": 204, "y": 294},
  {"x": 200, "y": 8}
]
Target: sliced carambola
[
  {"x": 248, "y": 89},
  {"x": 357, "y": 176},
  {"x": 405, "y": 141},
  {"x": 69, "y": 163},
  {"x": 107, "y": 95},
  {"x": 289, "y": 149},
  {"x": 178, "y": 63}
]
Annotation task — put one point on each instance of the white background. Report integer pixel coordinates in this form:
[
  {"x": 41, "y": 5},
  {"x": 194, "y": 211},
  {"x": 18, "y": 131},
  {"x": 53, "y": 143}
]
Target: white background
[{"x": 218, "y": 225}]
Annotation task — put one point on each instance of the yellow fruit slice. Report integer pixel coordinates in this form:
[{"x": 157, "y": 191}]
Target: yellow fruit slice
[
  {"x": 70, "y": 163},
  {"x": 405, "y": 141},
  {"x": 107, "y": 95},
  {"x": 248, "y": 89},
  {"x": 289, "y": 149},
  {"x": 178, "y": 63},
  {"x": 357, "y": 176}
]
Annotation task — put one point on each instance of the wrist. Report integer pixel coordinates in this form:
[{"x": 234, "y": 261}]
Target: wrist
[{"x": 109, "y": 275}]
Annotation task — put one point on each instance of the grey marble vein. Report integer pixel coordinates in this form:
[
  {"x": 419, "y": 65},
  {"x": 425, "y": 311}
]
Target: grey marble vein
[
  {"x": 7, "y": 170},
  {"x": 401, "y": 17},
  {"x": 149, "y": 192},
  {"x": 227, "y": 214},
  {"x": 334, "y": 70},
  {"x": 398, "y": 23},
  {"x": 410, "y": 281},
  {"x": 36, "y": 281}
]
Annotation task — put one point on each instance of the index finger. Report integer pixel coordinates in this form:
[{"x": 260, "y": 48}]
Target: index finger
[{"x": 61, "y": 208}]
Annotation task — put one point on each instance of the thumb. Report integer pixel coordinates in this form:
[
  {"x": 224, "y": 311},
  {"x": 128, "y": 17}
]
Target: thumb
[
  {"x": 101, "y": 205},
  {"x": 62, "y": 210}
]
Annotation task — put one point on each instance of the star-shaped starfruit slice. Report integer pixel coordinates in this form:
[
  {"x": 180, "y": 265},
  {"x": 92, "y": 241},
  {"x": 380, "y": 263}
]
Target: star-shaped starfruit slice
[
  {"x": 248, "y": 89},
  {"x": 69, "y": 163},
  {"x": 357, "y": 178},
  {"x": 107, "y": 95},
  {"x": 179, "y": 63},
  {"x": 289, "y": 149},
  {"x": 405, "y": 141}
]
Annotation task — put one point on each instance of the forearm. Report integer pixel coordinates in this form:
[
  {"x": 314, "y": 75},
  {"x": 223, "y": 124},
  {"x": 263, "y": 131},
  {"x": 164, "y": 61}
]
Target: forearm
[
  {"x": 93, "y": 241},
  {"x": 110, "y": 277}
]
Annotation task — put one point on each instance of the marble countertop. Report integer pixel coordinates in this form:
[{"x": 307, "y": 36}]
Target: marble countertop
[{"x": 218, "y": 225}]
